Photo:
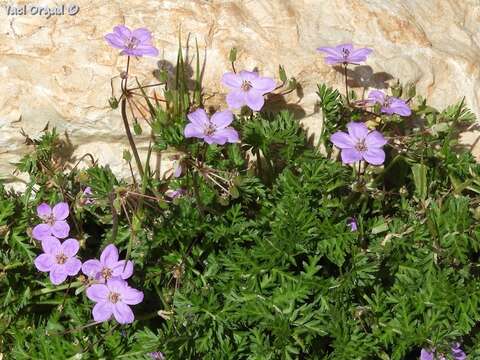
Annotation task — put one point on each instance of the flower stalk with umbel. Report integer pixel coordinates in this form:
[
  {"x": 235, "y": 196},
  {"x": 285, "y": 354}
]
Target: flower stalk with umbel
[
  {"x": 345, "y": 54},
  {"x": 136, "y": 43}
]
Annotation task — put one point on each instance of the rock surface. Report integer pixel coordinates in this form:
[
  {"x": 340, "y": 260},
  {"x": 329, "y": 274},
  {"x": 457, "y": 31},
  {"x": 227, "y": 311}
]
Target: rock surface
[{"x": 58, "y": 70}]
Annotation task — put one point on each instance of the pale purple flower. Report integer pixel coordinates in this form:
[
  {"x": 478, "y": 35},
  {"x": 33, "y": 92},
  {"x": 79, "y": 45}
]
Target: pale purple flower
[
  {"x": 87, "y": 196},
  {"x": 360, "y": 144},
  {"x": 389, "y": 104},
  {"x": 58, "y": 259},
  {"x": 457, "y": 352},
  {"x": 177, "y": 169},
  {"x": 344, "y": 54},
  {"x": 113, "y": 298},
  {"x": 108, "y": 267},
  {"x": 352, "y": 222},
  {"x": 173, "y": 194},
  {"x": 132, "y": 43},
  {"x": 215, "y": 130},
  {"x": 54, "y": 221},
  {"x": 247, "y": 88},
  {"x": 157, "y": 355},
  {"x": 427, "y": 354}
]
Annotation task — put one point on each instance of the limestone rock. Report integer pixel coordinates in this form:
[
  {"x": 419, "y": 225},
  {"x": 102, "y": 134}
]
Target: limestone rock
[{"x": 58, "y": 70}]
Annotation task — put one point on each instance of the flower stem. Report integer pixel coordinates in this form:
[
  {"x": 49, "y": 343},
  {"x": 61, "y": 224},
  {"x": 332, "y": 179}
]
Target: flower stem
[
  {"x": 123, "y": 109},
  {"x": 346, "y": 83},
  {"x": 130, "y": 137}
]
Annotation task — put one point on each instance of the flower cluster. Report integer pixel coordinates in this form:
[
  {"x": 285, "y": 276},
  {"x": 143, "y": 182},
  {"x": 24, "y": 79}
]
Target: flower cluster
[
  {"x": 108, "y": 288},
  {"x": 59, "y": 259}
]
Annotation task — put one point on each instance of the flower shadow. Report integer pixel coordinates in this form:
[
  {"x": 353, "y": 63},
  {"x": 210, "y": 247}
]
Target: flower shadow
[{"x": 363, "y": 76}]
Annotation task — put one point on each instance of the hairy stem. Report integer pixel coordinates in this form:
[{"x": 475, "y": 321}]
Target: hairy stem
[
  {"x": 130, "y": 137},
  {"x": 346, "y": 83}
]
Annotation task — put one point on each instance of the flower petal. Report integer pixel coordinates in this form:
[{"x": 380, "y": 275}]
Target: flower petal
[
  {"x": 44, "y": 211},
  {"x": 102, "y": 311},
  {"x": 264, "y": 84},
  {"x": 222, "y": 119},
  {"x": 400, "y": 107},
  {"x": 51, "y": 245},
  {"x": 72, "y": 266},
  {"x": 58, "y": 274},
  {"x": 376, "y": 96},
  {"x": 193, "y": 130},
  {"x": 44, "y": 262},
  {"x": 359, "y": 55},
  {"x": 132, "y": 296},
  {"x": 141, "y": 50},
  {"x": 254, "y": 99},
  {"x": 426, "y": 355},
  {"x": 232, "y": 80},
  {"x": 109, "y": 256},
  {"x": 374, "y": 156},
  {"x": 116, "y": 284},
  {"x": 330, "y": 51},
  {"x": 123, "y": 314},
  {"x": 115, "y": 41},
  {"x": 122, "y": 270},
  {"x": 350, "y": 156},
  {"x": 357, "y": 131},
  {"x": 199, "y": 117},
  {"x": 332, "y": 60},
  {"x": 228, "y": 134},
  {"x": 123, "y": 32},
  {"x": 375, "y": 139},
  {"x": 212, "y": 139},
  {"x": 60, "y": 211},
  {"x": 236, "y": 99},
  {"x": 70, "y": 247},
  {"x": 41, "y": 231},
  {"x": 342, "y": 140},
  {"x": 91, "y": 267},
  {"x": 60, "y": 229},
  {"x": 142, "y": 34},
  {"x": 98, "y": 292},
  {"x": 248, "y": 75}
]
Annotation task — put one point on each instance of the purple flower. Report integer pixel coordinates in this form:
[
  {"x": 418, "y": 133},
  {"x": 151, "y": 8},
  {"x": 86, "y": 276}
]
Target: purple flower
[
  {"x": 214, "y": 130},
  {"x": 58, "y": 259},
  {"x": 390, "y": 105},
  {"x": 352, "y": 222},
  {"x": 177, "y": 169},
  {"x": 157, "y": 355},
  {"x": 345, "y": 54},
  {"x": 427, "y": 354},
  {"x": 133, "y": 43},
  {"x": 54, "y": 221},
  {"x": 114, "y": 298},
  {"x": 360, "y": 144},
  {"x": 108, "y": 267},
  {"x": 173, "y": 194},
  {"x": 247, "y": 88},
  {"x": 457, "y": 352},
  {"x": 87, "y": 196}
]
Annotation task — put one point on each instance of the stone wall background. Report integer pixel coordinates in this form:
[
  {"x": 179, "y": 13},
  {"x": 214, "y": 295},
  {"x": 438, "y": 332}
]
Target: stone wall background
[{"x": 58, "y": 70}]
